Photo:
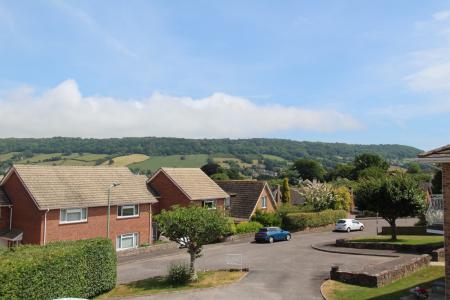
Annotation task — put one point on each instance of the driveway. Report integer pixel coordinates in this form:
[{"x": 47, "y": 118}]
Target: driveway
[{"x": 283, "y": 270}]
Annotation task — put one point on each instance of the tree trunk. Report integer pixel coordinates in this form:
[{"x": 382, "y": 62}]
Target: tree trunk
[
  {"x": 393, "y": 230},
  {"x": 192, "y": 265}
]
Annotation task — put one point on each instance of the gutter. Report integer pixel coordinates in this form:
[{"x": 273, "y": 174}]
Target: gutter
[
  {"x": 45, "y": 226},
  {"x": 10, "y": 217}
]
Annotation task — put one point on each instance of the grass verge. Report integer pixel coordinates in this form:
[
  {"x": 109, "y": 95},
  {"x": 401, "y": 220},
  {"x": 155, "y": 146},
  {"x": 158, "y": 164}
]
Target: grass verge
[
  {"x": 403, "y": 239},
  {"x": 334, "y": 290},
  {"x": 159, "y": 284}
]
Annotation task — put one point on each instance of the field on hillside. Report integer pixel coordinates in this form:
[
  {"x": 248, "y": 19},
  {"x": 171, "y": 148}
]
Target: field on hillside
[
  {"x": 179, "y": 161},
  {"x": 75, "y": 159},
  {"x": 122, "y": 161}
]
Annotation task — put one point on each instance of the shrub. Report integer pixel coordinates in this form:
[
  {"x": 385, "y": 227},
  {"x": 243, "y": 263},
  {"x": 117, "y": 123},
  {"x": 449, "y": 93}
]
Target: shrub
[
  {"x": 343, "y": 198},
  {"x": 301, "y": 221},
  {"x": 178, "y": 274},
  {"x": 247, "y": 227},
  {"x": 231, "y": 227},
  {"x": 83, "y": 269},
  {"x": 318, "y": 195},
  {"x": 267, "y": 219}
]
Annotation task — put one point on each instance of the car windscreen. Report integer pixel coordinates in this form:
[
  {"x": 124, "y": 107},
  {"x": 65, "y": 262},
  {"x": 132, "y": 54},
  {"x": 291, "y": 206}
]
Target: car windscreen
[
  {"x": 263, "y": 230},
  {"x": 341, "y": 222}
]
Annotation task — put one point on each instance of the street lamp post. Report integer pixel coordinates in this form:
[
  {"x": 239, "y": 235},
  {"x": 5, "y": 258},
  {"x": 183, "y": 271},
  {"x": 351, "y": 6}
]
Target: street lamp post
[{"x": 114, "y": 184}]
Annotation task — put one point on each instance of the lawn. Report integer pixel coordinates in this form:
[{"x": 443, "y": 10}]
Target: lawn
[
  {"x": 159, "y": 285},
  {"x": 175, "y": 161},
  {"x": 334, "y": 290},
  {"x": 403, "y": 239},
  {"x": 122, "y": 161}
]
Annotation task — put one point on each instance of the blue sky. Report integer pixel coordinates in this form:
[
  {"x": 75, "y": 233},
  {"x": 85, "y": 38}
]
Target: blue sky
[{"x": 335, "y": 71}]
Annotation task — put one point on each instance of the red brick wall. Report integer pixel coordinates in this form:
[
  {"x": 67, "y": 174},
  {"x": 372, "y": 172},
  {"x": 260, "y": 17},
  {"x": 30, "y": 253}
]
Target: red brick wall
[
  {"x": 26, "y": 215},
  {"x": 270, "y": 206},
  {"x": 169, "y": 193},
  {"x": 446, "y": 192},
  {"x": 96, "y": 225},
  {"x": 4, "y": 217}
]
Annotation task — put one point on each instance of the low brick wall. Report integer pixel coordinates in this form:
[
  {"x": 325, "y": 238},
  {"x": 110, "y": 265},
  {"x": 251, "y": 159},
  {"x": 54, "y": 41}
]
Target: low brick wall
[
  {"x": 405, "y": 230},
  {"x": 374, "y": 277},
  {"x": 422, "y": 249},
  {"x": 239, "y": 237},
  {"x": 438, "y": 255},
  {"x": 149, "y": 249}
]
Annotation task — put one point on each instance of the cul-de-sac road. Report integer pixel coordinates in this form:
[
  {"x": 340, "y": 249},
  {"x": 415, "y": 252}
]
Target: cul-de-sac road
[{"x": 283, "y": 270}]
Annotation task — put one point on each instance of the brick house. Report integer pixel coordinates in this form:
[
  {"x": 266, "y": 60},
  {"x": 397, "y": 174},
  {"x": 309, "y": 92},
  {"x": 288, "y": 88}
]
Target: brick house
[
  {"x": 185, "y": 186},
  {"x": 54, "y": 203},
  {"x": 441, "y": 156},
  {"x": 247, "y": 196}
]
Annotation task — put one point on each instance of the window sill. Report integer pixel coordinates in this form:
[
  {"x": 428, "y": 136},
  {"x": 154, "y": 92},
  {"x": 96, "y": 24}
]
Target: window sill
[
  {"x": 73, "y": 222},
  {"x": 128, "y": 217},
  {"x": 123, "y": 249}
]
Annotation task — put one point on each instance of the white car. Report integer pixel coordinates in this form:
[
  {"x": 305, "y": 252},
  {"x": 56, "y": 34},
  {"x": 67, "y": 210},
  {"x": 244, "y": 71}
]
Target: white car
[{"x": 349, "y": 225}]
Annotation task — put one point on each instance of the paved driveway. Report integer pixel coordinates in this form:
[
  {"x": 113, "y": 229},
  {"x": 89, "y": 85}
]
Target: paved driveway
[{"x": 283, "y": 270}]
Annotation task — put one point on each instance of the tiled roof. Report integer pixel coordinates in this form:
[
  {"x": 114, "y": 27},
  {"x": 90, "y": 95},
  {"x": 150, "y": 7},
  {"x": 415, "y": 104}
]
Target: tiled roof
[
  {"x": 245, "y": 195},
  {"x": 194, "y": 183},
  {"x": 55, "y": 187},
  {"x": 441, "y": 154},
  {"x": 296, "y": 197},
  {"x": 4, "y": 201}
]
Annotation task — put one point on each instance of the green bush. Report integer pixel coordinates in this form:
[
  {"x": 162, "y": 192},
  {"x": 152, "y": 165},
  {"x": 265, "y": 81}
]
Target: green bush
[
  {"x": 231, "y": 230},
  {"x": 83, "y": 269},
  {"x": 247, "y": 227},
  {"x": 267, "y": 219},
  {"x": 301, "y": 221},
  {"x": 178, "y": 274}
]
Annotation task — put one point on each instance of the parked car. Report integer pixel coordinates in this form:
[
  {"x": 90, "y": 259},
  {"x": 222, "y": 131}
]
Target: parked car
[
  {"x": 349, "y": 225},
  {"x": 272, "y": 234}
]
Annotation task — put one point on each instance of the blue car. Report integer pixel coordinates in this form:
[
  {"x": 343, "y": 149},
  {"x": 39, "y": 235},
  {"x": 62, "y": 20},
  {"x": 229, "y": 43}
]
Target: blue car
[{"x": 272, "y": 234}]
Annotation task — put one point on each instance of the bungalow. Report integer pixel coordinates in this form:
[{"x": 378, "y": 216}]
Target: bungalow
[
  {"x": 54, "y": 203},
  {"x": 442, "y": 156},
  {"x": 186, "y": 186},
  {"x": 247, "y": 196}
]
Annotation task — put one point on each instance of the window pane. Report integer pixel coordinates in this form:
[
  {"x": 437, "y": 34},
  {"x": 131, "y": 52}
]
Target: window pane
[
  {"x": 63, "y": 215},
  {"x": 127, "y": 242},
  {"x": 74, "y": 216}
]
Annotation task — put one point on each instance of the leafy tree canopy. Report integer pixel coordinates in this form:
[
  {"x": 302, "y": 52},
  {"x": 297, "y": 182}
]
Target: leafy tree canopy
[
  {"x": 392, "y": 197},
  {"x": 192, "y": 227},
  {"x": 309, "y": 169},
  {"x": 368, "y": 160}
]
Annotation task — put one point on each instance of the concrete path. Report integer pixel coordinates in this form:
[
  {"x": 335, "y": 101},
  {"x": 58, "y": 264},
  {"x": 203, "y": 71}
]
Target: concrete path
[{"x": 283, "y": 270}]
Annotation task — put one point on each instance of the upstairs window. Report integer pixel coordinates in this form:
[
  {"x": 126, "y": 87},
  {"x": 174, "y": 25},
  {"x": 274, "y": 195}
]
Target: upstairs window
[
  {"x": 128, "y": 211},
  {"x": 209, "y": 204},
  {"x": 73, "y": 215},
  {"x": 264, "y": 202}
]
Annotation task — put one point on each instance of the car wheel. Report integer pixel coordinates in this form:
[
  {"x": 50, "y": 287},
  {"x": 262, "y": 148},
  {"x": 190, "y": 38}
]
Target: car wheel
[
  {"x": 349, "y": 229},
  {"x": 361, "y": 228},
  {"x": 288, "y": 237},
  {"x": 271, "y": 240}
]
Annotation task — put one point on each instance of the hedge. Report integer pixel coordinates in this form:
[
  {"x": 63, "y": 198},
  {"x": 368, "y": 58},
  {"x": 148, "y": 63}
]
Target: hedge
[
  {"x": 82, "y": 269},
  {"x": 301, "y": 221},
  {"x": 247, "y": 227}
]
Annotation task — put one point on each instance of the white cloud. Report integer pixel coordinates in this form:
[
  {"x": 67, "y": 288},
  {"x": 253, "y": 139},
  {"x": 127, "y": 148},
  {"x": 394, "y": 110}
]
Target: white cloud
[
  {"x": 64, "y": 111},
  {"x": 442, "y": 15}
]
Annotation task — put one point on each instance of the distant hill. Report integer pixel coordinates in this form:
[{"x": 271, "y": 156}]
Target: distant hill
[{"x": 247, "y": 150}]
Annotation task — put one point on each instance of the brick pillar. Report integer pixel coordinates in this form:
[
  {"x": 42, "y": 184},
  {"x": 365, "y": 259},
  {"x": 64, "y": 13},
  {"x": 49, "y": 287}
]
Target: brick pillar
[{"x": 446, "y": 195}]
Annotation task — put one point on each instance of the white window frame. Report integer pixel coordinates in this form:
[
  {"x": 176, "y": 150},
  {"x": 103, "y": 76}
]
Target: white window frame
[
  {"x": 77, "y": 209},
  {"x": 214, "y": 206},
  {"x": 120, "y": 237},
  {"x": 264, "y": 202},
  {"x": 135, "y": 209}
]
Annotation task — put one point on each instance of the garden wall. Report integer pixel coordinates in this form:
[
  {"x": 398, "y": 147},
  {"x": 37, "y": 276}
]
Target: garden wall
[
  {"x": 381, "y": 274},
  {"x": 422, "y": 249}
]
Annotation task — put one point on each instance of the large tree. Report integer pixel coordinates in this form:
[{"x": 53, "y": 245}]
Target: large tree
[
  {"x": 309, "y": 169},
  {"x": 392, "y": 197},
  {"x": 369, "y": 160},
  {"x": 192, "y": 227}
]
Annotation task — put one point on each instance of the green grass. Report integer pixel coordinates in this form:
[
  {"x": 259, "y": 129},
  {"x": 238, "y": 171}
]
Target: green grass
[
  {"x": 157, "y": 285},
  {"x": 403, "y": 239},
  {"x": 334, "y": 290},
  {"x": 174, "y": 161},
  {"x": 6, "y": 156}
]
